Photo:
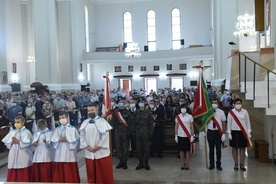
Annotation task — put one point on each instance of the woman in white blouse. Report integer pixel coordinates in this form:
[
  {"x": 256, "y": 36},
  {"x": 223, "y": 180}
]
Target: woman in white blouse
[
  {"x": 239, "y": 132},
  {"x": 30, "y": 115},
  {"x": 184, "y": 131}
]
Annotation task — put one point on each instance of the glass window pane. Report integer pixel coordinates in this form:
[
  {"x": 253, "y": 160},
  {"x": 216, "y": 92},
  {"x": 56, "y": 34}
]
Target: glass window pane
[
  {"x": 151, "y": 27},
  {"x": 152, "y": 46}
]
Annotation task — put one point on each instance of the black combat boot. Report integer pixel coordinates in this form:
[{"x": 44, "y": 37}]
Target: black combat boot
[
  {"x": 120, "y": 164},
  {"x": 147, "y": 167},
  {"x": 125, "y": 164},
  {"x": 141, "y": 165}
]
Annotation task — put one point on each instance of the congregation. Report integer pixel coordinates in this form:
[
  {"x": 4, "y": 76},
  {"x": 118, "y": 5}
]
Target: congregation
[{"x": 135, "y": 123}]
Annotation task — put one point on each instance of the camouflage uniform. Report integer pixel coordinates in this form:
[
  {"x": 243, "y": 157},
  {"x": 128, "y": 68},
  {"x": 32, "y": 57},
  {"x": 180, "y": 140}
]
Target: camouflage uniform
[
  {"x": 143, "y": 127},
  {"x": 121, "y": 136}
]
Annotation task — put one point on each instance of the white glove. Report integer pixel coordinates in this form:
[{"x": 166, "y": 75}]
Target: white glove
[
  {"x": 176, "y": 138},
  {"x": 248, "y": 135},
  {"x": 229, "y": 136},
  {"x": 192, "y": 139},
  {"x": 223, "y": 137}
]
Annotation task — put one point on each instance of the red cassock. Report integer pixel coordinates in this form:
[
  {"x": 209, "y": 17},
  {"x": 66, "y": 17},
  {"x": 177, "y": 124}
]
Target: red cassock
[
  {"x": 19, "y": 175},
  {"x": 42, "y": 172},
  {"x": 98, "y": 170},
  {"x": 65, "y": 172}
]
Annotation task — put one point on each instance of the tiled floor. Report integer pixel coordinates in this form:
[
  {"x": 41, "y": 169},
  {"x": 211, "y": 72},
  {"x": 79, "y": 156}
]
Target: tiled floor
[{"x": 166, "y": 170}]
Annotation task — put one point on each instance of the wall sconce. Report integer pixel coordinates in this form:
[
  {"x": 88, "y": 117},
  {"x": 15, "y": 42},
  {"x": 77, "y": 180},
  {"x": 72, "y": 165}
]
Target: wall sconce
[
  {"x": 193, "y": 75},
  {"x": 81, "y": 78},
  {"x": 14, "y": 78},
  {"x": 162, "y": 75},
  {"x": 136, "y": 76}
]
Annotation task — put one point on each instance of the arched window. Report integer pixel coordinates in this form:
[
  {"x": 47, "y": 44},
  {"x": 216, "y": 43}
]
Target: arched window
[
  {"x": 176, "y": 29},
  {"x": 127, "y": 27},
  {"x": 151, "y": 30},
  {"x": 86, "y": 25}
]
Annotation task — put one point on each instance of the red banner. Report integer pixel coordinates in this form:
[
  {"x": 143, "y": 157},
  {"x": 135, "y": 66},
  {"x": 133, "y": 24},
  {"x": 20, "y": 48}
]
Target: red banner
[{"x": 107, "y": 97}]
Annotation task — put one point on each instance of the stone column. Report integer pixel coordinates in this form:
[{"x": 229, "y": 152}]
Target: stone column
[{"x": 45, "y": 41}]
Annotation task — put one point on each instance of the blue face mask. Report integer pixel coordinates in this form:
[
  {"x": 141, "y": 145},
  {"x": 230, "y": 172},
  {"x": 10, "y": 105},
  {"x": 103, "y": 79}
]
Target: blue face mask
[
  {"x": 120, "y": 105},
  {"x": 141, "y": 105}
]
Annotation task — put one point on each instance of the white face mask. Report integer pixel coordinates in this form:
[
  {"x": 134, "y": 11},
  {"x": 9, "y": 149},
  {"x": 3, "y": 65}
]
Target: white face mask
[
  {"x": 215, "y": 106},
  {"x": 112, "y": 103},
  {"x": 63, "y": 121},
  {"x": 132, "y": 105},
  {"x": 13, "y": 104},
  {"x": 183, "y": 111},
  {"x": 238, "y": 106},
  {"x": 151, "y": 106}
]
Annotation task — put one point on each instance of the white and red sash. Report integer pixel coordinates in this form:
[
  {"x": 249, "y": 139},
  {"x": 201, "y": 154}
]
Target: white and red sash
[
  {"x": 220, "y": 131},
  {"x": 249, "y": 143},
  {"x": 120, "y": 118},
  {"x": 185, "y": 130}
]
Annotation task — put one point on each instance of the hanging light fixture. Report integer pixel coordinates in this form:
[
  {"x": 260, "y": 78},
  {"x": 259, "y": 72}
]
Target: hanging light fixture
[
  {"x": 245, "y": 26},
  {"x": 132, "y": 50}
]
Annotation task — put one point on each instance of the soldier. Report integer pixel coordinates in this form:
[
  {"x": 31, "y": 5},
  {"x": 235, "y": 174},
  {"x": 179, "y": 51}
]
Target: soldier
[
  {"x": 144, "y": 127},
  {"x": 132, "y": 109},
  {"x": 158, "y": 144},
  {"x": 121, "y": 122}
]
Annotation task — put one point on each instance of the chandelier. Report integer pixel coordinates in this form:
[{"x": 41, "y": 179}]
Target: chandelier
[
  {"x": 31, "y": 59},
  {"x": 245, "y": 26},
  {"x": 132, "y": 50}
]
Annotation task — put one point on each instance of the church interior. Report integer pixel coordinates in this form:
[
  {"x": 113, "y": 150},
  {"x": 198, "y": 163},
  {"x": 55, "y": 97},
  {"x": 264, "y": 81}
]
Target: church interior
[{"x": 69, "y": 45}]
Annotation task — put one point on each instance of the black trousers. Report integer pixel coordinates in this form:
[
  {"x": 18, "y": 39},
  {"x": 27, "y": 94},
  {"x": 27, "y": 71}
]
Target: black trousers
[{"x": 214, "y": 140}]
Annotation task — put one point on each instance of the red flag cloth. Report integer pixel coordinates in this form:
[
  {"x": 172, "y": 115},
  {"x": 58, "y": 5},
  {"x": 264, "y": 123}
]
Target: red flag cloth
[
  {"x": 106, "y": 102},
  {"x": 202, "y": 111}
]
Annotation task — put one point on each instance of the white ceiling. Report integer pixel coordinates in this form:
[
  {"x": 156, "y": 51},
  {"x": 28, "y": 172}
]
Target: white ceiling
[{"x": 117, "y": 1}]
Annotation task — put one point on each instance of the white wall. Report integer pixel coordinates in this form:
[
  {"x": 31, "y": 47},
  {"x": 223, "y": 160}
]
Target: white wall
[
  {"x": 195, "y": 25},
  {"x": 100, "y": 69}
]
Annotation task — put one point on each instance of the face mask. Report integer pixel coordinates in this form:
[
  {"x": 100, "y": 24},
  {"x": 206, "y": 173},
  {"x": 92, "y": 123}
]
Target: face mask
[
  {"x": 92, "y": 115},
  {"x": 112, "y": 103},
  {"x": 238, "y": 106},
  {"x": 183, "y": 110},
  {"x": 58, "y": 98},
  {"x": 132, "y": 105},
  {"x": 120, "y": 105},
  {"x": 63, "y": 121},
  {"x": 180, "y": 103},
  {"x": 141, "y": 105},
  {"x": 127, "y": 105},
  {"x": 17, "y": 125},
  {"x": 151, "y": 106},
  {"x": 13, "y": 104},
  {"x": 215, "y": 106},
  {"x": 29, "y": 104}
]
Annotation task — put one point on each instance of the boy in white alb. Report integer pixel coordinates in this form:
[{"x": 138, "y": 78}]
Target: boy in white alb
[
  {"x": 44, "y": 153},
  {"x": 94, "y": 137},
  {"x": 65, "y": 141},
  {"x": 18, "y": 141}
]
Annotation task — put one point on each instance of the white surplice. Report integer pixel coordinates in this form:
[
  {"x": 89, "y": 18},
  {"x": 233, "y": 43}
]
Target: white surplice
[
  {"x": 20, "y": 155},
  {"x": 65, "y": 151},
  {"x": 44, "y": 152},
  {"x": 95, "y": 134}
]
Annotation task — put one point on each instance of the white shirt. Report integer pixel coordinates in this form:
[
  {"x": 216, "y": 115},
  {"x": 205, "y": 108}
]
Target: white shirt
[
  {"x": 244, "y": 119},
  {"x": 220, "y": 117},
  {"x": 65, "y": 151},
  {"x": 44, "y": 152},
  {"x": 187, "y": 119},
  {"x": 20, "y": 155},
  {"x": 29, "y": 110},
  {"x": 95, "y": 134}
]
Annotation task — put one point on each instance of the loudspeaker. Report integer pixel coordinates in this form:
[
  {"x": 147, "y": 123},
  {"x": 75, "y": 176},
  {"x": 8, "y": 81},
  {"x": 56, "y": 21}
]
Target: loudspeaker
[
  {"x": 182, "y": 42},
  {"x": 259, "y": 15},
  {"x": 124, "y": 45},
  {"x": 146, "y": 48}
]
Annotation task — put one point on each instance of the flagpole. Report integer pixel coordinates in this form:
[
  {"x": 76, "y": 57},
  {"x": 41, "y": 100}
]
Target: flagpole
[{"x": 205, "y": 148}]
